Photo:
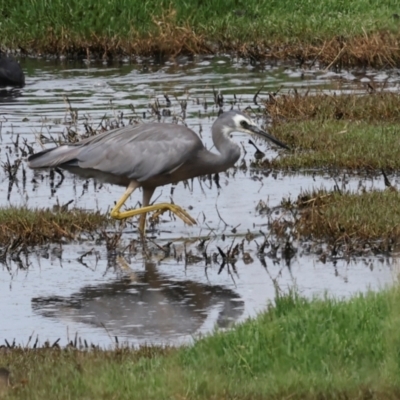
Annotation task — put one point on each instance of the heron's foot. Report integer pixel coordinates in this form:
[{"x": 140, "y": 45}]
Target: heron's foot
[
  {"x": 178, "y": 211},
  {"x": 159, "y": 208}
]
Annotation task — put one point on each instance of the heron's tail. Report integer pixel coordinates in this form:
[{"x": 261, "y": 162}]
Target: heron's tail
[{"x": 53, "y": 158}]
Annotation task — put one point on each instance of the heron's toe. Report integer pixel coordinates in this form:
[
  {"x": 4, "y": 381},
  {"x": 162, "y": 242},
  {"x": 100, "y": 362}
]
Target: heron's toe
[{"x": 178, "y": 211}]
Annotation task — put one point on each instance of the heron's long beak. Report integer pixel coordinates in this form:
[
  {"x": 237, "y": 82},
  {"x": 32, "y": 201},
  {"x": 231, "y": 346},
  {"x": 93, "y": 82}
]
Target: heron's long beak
[{"x": 258, "y": 131}]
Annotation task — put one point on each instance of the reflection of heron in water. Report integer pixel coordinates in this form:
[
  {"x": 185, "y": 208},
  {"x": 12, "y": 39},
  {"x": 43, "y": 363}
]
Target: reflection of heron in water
[{"x": 151, "y": 307}]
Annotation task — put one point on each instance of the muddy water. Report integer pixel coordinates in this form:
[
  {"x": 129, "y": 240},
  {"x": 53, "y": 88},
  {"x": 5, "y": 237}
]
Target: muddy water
[{"x": 149, "y": 296}]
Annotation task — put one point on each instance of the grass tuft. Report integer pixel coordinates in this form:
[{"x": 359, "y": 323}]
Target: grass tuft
[
  {"x": 36, "y": 227},
  {"x": 349, "y": 218}
]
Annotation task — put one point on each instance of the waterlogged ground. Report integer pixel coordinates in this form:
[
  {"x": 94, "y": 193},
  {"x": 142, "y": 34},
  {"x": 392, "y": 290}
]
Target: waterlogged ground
[{"x": 178, "y": 286}]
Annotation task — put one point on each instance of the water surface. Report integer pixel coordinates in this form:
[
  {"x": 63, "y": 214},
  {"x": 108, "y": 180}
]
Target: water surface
[{"x": 79, "y": 288}]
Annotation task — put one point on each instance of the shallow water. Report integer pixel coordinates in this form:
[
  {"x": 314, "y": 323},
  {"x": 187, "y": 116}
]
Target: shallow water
[{"x": 62, "y": 291}]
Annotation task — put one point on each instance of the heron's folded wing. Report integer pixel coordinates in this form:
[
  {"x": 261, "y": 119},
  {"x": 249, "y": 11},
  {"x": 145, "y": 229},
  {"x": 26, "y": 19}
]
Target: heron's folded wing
[{"x": 140, "y": 152}]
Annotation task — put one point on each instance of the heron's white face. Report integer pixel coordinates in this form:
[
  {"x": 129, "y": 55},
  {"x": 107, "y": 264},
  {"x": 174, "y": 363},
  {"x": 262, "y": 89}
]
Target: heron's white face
[
  {"x": 240, "y": 123},
  {"x": 244, "y": 124}
]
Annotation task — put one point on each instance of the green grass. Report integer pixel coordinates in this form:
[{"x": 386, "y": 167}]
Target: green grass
[
  {"x": 229, "y": 17},
  {"x": 110, "y": 25},
  {"x": 351, "y": 131},
  {"x": 338, "y": 144},
  {"x": 299, "y": 348}
]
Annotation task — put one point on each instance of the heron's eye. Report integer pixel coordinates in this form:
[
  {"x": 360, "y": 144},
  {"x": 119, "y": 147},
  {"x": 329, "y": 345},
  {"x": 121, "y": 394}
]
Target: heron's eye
[{"x": 244, "y": 124}]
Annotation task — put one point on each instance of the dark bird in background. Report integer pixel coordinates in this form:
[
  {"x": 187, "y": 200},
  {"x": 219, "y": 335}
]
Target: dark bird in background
[{"x": 11, "y": 73}]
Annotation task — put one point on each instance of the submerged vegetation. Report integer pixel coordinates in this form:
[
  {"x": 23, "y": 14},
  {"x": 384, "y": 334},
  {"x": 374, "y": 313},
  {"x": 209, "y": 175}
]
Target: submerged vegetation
[
  {"x": 333, "y": 32},
  {"x": 298, "y": 348}
]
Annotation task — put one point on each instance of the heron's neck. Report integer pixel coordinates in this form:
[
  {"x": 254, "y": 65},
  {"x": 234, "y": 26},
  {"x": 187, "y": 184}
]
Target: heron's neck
[{"x": 229, "y": 150}]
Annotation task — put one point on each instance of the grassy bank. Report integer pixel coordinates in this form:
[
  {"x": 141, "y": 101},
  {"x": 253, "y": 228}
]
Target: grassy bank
[
  {"x": 350, "y": 131},
  {"x": 338, "y": 144},
  {"x": 302, "y": 349},
  {"x": 356, "y": 32}
]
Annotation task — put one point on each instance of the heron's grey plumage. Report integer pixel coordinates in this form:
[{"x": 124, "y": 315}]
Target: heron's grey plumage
[
  {"x": 136, "y": 152},
  {"x": 151, "y": 155}
]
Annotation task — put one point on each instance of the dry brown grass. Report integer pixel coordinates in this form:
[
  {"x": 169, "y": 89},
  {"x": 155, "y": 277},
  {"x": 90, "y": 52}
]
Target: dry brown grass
[
  {"x": 353, "y": 220},
  {"x": 35, "y": 227},
  {"x": 370, "y": 106},
  {"x": 378, "y": 49},
  {"x": 168, "y": 38}
]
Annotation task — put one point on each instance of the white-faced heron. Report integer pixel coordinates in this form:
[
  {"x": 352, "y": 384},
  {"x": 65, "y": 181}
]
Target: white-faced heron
[{"x": 149, "y": 155}]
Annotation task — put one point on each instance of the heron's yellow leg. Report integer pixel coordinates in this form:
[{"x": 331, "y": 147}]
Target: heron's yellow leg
[
  {"x": 161, "y": 207},
  {"x": 115, "y": 212}
]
